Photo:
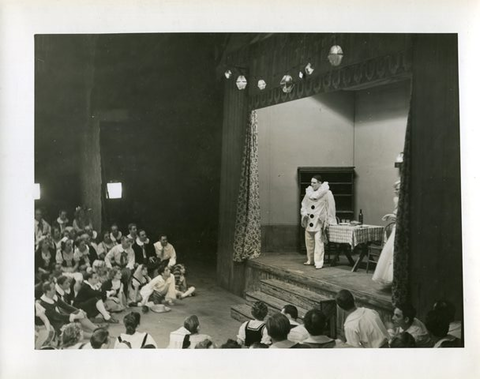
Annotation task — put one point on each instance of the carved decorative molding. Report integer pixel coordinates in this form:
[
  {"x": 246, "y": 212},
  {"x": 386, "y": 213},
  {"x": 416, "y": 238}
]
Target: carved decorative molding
[{"x": 356, "y": 76}]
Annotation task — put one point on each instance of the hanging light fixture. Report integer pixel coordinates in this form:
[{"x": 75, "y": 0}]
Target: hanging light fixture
[
  {"x": 36, "y": 191},
  {"x": 309, "y": 69},
  {"x": 287, "y": 84},
  {"x": 335, "y": 55},
  {"x": 228, "y": 74},
  {"x": 241, "y": 82},
  {"x": 114, "y": 190},
  {"x": 262, "y": 84}
]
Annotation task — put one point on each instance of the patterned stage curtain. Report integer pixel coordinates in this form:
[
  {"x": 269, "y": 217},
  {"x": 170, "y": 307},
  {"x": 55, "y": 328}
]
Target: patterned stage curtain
[
  {"x": 400, "y": 292},
  {"x": 247, "y": 240}
]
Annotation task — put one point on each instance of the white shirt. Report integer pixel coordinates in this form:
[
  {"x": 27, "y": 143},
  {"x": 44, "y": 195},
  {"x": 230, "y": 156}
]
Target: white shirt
[
  {"x": 318, "y": 207},
  {"x": 115, "y": 253},
  {"x": 298, "y": 333},
  {"x": 167, "y": 252},
  {"x": 364, "y": 328},
  {"x": 164, "y": 287},
  {"x": 417, "y": 330}
]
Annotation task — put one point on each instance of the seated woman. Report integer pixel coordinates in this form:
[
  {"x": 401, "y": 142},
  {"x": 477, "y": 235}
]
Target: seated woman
[
  {"x": 131, "y": 338},
  {"x": 72, "y": 337},
  {"x": 139, "y": 279},
  {"x": 106, "y": 245},
  {"x": 187, "y": 336},
  {"x": 113, "y": 288},
  {"x": 82, "y": 254},
  {"x": 160, "y": 290},
  {"x": 183, "y": 290},
  {"x": 66, "y": 259},
  {"x": 56, "y": 239},
  {"x": 44, "y": 258},
  {"x": 254, "y": 330},
  {"x": 81, "y": 219}
]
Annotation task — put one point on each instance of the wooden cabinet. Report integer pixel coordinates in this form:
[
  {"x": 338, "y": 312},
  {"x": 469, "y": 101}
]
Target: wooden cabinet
[{"x": 341, "y": 181}]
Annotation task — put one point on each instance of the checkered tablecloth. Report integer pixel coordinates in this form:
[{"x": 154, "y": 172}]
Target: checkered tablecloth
[{"x": 353, "y": 235}]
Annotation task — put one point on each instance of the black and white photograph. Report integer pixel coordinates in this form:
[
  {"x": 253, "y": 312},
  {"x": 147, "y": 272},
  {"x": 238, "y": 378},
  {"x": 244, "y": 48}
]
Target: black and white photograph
[{"x": 193, "y": 188}]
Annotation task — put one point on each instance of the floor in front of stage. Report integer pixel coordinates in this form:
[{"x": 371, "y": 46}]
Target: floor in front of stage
[{"x": 336, "y": 276}]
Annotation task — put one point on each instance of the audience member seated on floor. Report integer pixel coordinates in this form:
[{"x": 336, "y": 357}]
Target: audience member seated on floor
[
  {"x": 187, "y": 336},
  {"x": 91, "y": 300},
  {"x": 59, "y": 312},
  {"x": 363, "y": 327},
  {"x": 46, "y": 334},
  {"x": 106, "y": 244},
  {"x": 72, "y": 337},
  {"x": 278, "y": 328},
  {"x": 62, "y": 221},
  {"x": 142, "y": 248},
  {"x": 438, "y": 323},
  {"x": 66, "y": 259},
  {"x": 56, "y": 240},
  {"x": 72, "y": 233},
  {"x": 139, "y": 279},
  {"x": 42, "y": 228},
  {"x": 404, "y": 320},
  {"x": 183, "y": 290},
  {"x": 165, "y": 251},
  {"x": 315, "y": 323},
  {"x": 123, "y": 257},
  {"x": 258, "y": 345},
  {"x": 81, "y": 219},
  {"x": 82, "y": 254},
  {"x": 92, "y": 250},
  {"x": 63, "y": 288},
  {"x": 99, "y": 263},
  {"x": 115, "y": 234},
  {"x": 254, "y": 330},
  {"x": 403, "y": 339},
  {"x": 455, "y": 328},
  {"x": 161, "y": 289},
  {"x": 44, "y": 259},
  {"x": 206, "y": 344},
  {"x": 100, "y": 339},
  {"x": 132, "y": 231},
  {"x": 113, "y": 288},
  {"x": 231, "y": 344},
  {"x": 298, "y": 333},
  {"x": 131, "y": 338}
]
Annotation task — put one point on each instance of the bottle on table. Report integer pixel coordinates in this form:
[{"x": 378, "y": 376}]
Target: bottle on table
[{"x": 360, "y": 217}]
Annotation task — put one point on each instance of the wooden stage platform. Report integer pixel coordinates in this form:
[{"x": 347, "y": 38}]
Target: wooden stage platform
[{"x": 281, "y": 278}]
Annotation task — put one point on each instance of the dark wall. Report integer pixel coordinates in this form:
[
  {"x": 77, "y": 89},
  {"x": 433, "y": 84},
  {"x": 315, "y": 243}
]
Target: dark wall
[
  {"x": 61, "y": 64},
  {"x": 436, "y": 232},
  {"x": 167, "y": 154}
]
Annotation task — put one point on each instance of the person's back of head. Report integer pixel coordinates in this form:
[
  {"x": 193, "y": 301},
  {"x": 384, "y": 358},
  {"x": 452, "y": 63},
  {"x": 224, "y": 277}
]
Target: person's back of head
[
  {"x": 278, "y": 327},
  {"x": 291, "y": 310},
  {"x": 315, "y": 321},
  {"x": 446, "y": 307},
  {"x": 72, "y": 334},
  {"x": 259, "y": 310},
  {"x": 100, "y": 338},
  {"x": 437, "y": 323},
  {"x": 131, "y": 321},
  {"x": 231, "y": 344},
  {"x": 345, "y": 300},
  {"x": 404, "y": 339},
  {"x": 205, "y": 344},
  {"x": 192, "y": 324}
]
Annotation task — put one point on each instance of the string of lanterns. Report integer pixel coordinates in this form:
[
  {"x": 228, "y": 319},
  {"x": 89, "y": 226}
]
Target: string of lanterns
[{"x": 335, "y": 57}]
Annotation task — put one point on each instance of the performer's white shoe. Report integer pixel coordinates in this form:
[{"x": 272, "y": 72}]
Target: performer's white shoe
[{"x": 307, "y": 263}]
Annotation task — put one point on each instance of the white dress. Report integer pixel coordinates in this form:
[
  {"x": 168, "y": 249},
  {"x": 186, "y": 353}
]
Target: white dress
[{"x": 384, "y": 271}]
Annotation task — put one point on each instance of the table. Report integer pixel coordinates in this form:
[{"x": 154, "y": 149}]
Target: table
[{"x": 355, "y": 236}]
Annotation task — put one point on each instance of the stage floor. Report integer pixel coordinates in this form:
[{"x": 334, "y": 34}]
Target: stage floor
[{"x": 332, "y": 278}]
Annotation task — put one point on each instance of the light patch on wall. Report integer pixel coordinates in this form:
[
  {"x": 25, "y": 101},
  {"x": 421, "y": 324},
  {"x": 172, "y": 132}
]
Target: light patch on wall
[
  {"x": 36, "y": 191},
  {"x": 114, "y": 190}
]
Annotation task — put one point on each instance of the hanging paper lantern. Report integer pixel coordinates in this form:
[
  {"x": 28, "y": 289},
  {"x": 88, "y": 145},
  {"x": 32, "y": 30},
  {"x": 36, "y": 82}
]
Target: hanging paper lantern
[
  {"x": 241, "y": 82},
  {"x": 228, "y": 74},
  {"x": 287, "y": 84},
  {"x": 309, "y": 69},
  {"x": 336, "y": 55},
  {"x": 262, "y": 84}
]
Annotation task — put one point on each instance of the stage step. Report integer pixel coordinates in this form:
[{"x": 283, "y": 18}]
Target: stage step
[
  {"x": 291, "y": 294},
  {"x": 274, "y": 304},
  {"x": 241, "y": 312}
]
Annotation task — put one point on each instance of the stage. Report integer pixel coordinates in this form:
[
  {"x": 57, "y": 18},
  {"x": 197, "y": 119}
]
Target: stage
[{"x": 281, "y": 278}]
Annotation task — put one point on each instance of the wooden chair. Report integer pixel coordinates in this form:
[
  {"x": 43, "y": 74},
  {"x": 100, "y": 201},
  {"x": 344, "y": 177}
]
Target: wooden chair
[{"x": 375, "y": 249}]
